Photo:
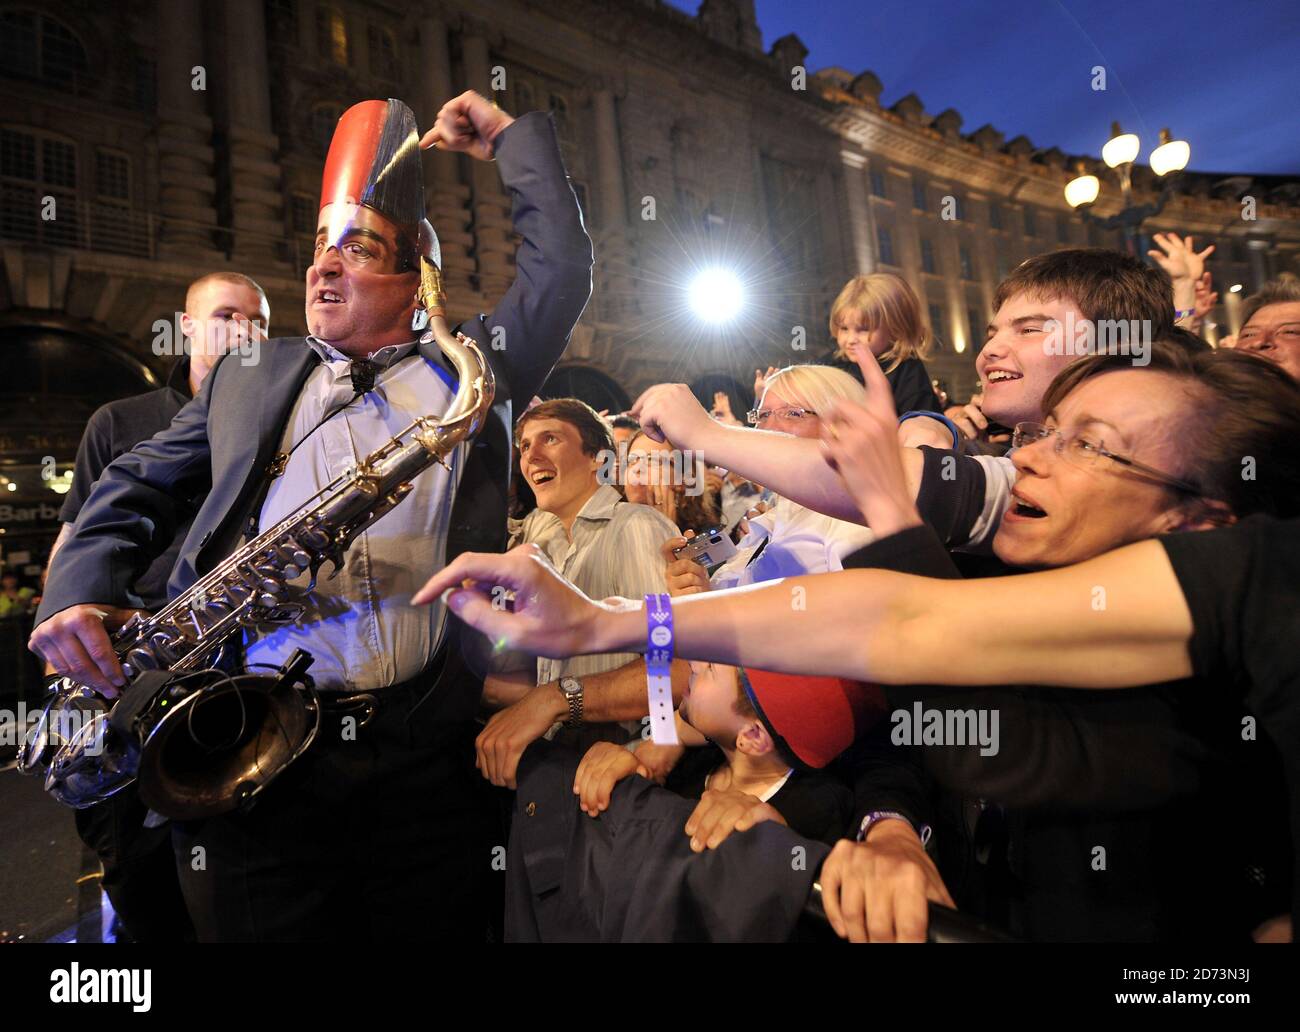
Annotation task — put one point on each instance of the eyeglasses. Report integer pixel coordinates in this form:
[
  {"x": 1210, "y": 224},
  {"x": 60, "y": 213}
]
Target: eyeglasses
[
  {"x": 757, "y": 417},
  {"x": 1079, "y": 450}
]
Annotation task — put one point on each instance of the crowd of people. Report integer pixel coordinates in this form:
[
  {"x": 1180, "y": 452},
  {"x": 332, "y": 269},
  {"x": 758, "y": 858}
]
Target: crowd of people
[{"x": 891, "y": 616}]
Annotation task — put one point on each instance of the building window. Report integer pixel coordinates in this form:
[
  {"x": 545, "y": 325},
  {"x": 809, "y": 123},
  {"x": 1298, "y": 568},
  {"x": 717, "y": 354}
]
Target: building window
[
  {"x": 1030, "y": 227},
  {"x": 978, "y": 328},
  {"x": 383, "y": 54},
  {"x": 34, "y": 166},
  {"x": 302, "y": 211},
  {"x": 36, "y": 46},
  {"x": 936, "y": 326},
  {"x": 877, "y": 183},
  {"x": 967, "y": 267},
  {"x": 927, "y": 257},
  {"x": 1062, "y": 229},
  {"x": 324, "y": 117},
  {"x": 112, "y": 176},
  {"x": 995, "y": 215},
  {"x": 332, "y": 36},
  {"x": 885, "y": 245},
  {"x": 958, "y": 206},
  {"x": 1003, "y": 265},
  {"x": 918, "y": 195}
]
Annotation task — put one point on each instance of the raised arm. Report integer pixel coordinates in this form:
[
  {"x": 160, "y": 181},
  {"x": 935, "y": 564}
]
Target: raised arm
[
  {"x": 793, "y": 467},
  {"x": 1116, "y": 621},
  {"x": 531, "y": 324}
]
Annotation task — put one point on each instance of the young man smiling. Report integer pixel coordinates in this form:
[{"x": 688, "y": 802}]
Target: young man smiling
[
  {"x": 963, "y": 496},
  {"x": 609, "y": 547}
]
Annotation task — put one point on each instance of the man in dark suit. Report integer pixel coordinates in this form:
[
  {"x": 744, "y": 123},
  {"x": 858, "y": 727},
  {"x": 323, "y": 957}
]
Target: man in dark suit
[
  {"x": 385, "y": 831},
  {"x": 223, "y": 311}
]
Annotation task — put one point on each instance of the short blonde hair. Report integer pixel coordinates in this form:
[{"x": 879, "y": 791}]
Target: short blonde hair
[
  {"x": 885, "y": 301},
  {"x": 815, "y": 387}
]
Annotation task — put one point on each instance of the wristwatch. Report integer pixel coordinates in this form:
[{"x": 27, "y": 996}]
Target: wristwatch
[{"x": 571, "y": 688}]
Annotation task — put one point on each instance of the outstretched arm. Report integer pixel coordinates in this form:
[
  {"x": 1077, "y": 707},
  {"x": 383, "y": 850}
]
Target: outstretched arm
[{"x": 1115, "y": 621}]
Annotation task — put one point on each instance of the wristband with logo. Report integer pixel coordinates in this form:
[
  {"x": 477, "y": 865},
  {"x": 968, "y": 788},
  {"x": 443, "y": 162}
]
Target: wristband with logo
[{"x": 658, "y": 668}]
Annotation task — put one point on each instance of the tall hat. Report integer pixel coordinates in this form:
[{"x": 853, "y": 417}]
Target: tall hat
[
  {"x": 812, "y": 719},
  {"x": 374, "y": 160}
]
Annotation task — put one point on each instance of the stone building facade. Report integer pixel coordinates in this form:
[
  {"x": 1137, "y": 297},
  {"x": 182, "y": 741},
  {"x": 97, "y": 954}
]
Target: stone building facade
[{"x": 179, "y": 137}]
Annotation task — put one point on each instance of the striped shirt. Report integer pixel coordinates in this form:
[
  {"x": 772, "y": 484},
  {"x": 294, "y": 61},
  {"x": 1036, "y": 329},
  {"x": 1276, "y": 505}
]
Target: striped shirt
[
  {"x": 360, "y": 626},
  {"x": 614, "y": 550}
]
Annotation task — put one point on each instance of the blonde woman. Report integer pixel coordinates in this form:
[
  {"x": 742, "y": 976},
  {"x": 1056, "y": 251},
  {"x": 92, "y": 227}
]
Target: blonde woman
[
  {"x": 882, "y": 314},
  {"x": 788, "y": 539}
]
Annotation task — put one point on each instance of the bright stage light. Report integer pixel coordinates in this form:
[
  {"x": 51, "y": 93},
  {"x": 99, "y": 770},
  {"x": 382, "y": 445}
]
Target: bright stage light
[{"x": 716, "y": 295}]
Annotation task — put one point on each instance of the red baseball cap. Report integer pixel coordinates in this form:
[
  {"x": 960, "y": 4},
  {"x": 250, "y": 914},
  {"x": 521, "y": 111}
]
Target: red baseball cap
[{"x": 812, "y": 719}]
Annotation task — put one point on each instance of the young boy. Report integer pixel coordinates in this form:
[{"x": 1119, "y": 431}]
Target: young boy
[{"x": 753, "y": 732}]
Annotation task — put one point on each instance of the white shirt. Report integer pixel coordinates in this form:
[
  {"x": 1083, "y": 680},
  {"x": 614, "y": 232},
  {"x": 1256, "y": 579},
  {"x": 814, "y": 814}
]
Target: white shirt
[
  {"x": 360, "y": 626},
  {"x": 795, "y": 540}
]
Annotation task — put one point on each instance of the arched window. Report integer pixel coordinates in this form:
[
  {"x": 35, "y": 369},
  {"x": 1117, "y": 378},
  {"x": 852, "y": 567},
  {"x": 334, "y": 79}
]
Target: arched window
[{"x": 36, "y": 46}]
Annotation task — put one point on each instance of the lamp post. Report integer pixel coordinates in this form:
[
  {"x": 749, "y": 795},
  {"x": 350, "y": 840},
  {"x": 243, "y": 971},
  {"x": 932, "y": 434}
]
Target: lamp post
[{"x": 1119, "y": 153}]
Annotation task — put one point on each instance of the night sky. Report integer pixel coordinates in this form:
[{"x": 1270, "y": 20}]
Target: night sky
[{"x": 1223, "y": 76}]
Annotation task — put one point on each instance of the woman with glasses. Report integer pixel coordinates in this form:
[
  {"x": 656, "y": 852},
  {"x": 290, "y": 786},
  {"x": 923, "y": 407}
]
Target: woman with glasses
[
  {"x": 787, "y": 539},
  {"x": 1113, "y": 815}
]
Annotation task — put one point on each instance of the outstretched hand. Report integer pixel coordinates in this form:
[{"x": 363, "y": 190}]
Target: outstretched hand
[{"x": 549, "y": 616}]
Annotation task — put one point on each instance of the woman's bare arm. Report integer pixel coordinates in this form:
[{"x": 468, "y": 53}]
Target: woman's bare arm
[{"x": 1115, "y": 621}]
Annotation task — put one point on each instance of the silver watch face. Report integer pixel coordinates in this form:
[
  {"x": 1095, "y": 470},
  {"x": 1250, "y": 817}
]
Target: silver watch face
[{"x": 570, "y": 685}]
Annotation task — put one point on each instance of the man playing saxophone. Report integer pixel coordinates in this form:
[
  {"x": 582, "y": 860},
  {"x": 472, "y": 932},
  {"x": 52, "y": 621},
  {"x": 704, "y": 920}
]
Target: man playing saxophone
[{"x": 383, "y": 829}]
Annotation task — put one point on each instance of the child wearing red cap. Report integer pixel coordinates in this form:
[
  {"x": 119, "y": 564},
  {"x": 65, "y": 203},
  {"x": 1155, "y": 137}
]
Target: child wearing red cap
[{"x": 753, "y": 732}]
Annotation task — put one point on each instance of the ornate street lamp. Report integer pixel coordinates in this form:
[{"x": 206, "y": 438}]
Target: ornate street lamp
[{"x": 1119, "y": 153}]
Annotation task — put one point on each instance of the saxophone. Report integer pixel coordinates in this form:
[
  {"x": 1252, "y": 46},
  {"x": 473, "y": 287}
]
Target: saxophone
[{"x": 198, "y": 740}]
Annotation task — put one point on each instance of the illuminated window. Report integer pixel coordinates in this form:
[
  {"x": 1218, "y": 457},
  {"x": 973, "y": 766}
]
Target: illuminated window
[
  {"x": 38, "y": 175},
  {"x": 332, "y": 36},
  {"x": 878, "y": 183}
]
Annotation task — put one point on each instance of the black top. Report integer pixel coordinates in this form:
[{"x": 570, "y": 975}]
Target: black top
[
  {"x": 1242, "y": 585},
  {"x": 910, "y": 380},
  {"x": 114, "y": 430},
  {"x": 1140, "y": 773},
  {"x": 814, "y": 804}
]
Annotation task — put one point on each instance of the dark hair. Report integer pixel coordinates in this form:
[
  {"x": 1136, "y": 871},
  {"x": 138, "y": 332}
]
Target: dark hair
[
  {"x": 1280, "y": 291},
  {"x": 1247, "y": 409},
  {"x": 593, "y": 430},
  {"x": 623, "y": 421},
  {"x": 1103, "y": 284}
]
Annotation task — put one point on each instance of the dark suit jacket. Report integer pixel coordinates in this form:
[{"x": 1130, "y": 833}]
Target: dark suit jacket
[
  {"x": 133, "y": 513},
  {"x": 629, "y": 875}
]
